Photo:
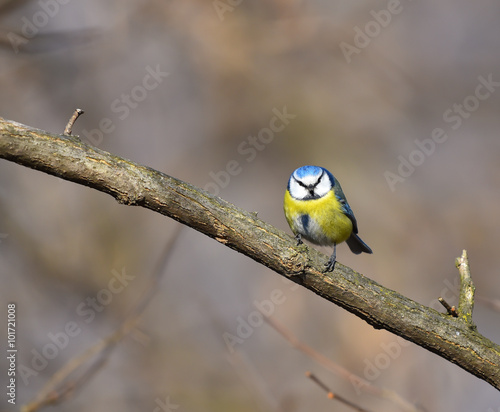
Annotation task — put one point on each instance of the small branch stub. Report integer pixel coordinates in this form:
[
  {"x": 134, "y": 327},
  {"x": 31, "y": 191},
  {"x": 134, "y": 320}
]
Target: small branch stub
[
  {"x": 467, "y": 290},
  {"x": 452, "y": 310},
  {"x": 69, "y": 127}
]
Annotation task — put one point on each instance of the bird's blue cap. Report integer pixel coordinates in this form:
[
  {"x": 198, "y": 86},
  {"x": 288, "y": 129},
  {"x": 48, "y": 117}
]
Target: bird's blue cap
[{"x": 308, "y": 171}]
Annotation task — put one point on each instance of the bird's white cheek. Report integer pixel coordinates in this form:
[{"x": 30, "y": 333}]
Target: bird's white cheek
[
  {"x": 297, "y": 191},
  {"x": 323, "y": 186}
]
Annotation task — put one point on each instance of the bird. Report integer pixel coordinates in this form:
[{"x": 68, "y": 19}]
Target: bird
[{"x": 317, "y": 210}]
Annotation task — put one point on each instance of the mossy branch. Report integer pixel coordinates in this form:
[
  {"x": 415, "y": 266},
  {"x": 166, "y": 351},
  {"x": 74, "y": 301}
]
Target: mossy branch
[{"x": 453, "y": 338}]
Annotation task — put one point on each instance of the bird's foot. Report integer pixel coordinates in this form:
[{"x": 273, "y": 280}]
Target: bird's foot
[
  {"x": 330, "y": 265},
  {"x": 298, "y": 238}
]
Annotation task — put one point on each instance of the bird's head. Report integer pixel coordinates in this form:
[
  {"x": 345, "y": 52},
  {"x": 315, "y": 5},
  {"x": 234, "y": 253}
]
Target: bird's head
[{"x": 310, "y": 182}]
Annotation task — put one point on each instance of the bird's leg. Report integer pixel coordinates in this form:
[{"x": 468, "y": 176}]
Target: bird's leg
[
  {"x": 298, "y": 238},
  {"x": 330, "y": 265}
]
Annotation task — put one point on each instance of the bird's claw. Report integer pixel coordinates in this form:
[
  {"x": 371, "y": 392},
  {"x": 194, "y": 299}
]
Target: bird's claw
[
  {"x": 330, "y": 265},
  {"x": 298, "y": 238}
]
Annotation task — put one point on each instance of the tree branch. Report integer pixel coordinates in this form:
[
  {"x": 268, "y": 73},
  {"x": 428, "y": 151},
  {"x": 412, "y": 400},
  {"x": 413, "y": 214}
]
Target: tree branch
[
  {"x": 467, "y": 290},
  {"x": 453, "y": 338}
]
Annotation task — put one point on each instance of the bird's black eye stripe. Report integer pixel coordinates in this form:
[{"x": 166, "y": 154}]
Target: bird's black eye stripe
[
  {"x": 307, "y": 186},
  {"x": 319, "y": 178},
  {"x": 301, "y": 184}
]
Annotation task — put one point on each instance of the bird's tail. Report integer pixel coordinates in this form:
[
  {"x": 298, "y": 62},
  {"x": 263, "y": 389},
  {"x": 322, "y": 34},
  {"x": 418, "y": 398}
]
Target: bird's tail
[{"x": 357, "y": 245}]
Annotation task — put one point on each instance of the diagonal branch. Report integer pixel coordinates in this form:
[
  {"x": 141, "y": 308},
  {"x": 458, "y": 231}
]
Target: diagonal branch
[{"x": 129, "y": 183}]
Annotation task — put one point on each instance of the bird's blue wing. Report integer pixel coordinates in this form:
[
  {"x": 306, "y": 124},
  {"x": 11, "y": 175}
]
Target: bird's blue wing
[{"x": 339, "y": 194}]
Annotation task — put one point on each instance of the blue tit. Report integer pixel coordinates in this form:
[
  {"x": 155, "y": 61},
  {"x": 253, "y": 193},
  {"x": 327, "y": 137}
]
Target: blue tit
[{"x": 317, "y": 209}]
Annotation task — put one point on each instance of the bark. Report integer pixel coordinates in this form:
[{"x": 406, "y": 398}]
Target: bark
[{"x": 453, "y": 338}]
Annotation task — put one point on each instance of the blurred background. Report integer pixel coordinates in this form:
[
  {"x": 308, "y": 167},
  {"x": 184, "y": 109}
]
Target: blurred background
[{"x": 191, "y": 88}]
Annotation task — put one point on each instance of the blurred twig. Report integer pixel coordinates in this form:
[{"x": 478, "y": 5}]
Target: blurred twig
[
  {"x": 332, "y": 395},
  {"x": 69, "y": 158},
  {"x": 60, "y": 387},
  {"x": 15, "y": 42},
  {"x": 357, "y": 381}
]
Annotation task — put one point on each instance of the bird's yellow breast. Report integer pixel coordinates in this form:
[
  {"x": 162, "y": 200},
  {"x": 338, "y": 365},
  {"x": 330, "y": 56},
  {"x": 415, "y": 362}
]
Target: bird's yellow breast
[{"x": 320, "y": 221}]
